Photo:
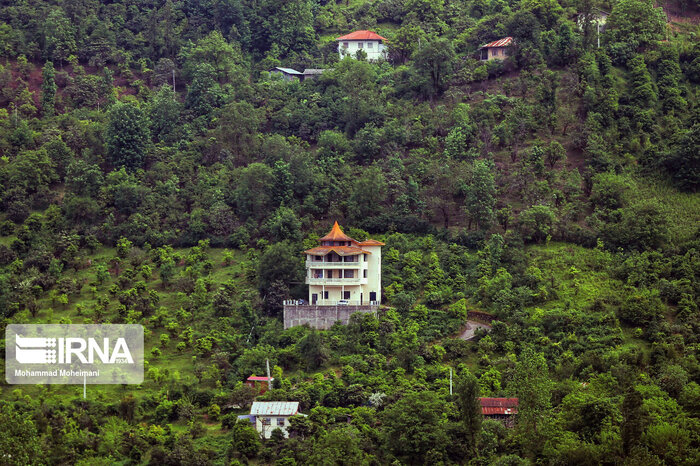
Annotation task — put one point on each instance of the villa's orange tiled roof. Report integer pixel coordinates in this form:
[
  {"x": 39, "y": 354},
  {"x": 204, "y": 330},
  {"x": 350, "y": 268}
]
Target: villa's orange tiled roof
[
  {"x": 371, "y": 242},
  {"x": 337, "y": 235},
  {"x": 340, "y": 250}
]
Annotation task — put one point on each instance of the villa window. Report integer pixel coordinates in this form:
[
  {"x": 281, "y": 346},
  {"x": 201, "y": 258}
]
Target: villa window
[
  {"x": 360, "y": 45},
  {"x": 345, "y": 45},
  {"x": 370, "y": 45},
  {"x": 280, "y": 421},
  {"x": 325, "y": 295},
  {"x": 318, "y": 258},
  {"x": 266, "y": 421},
  {"x": 349, "y": 273},
  {"x": 346, "y": 295},
  {"x": 365, "y": 273}
]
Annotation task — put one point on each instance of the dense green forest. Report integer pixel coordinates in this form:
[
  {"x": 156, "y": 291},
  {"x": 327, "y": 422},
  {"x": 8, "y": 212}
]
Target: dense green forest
[{"x": 153, "y": 171}]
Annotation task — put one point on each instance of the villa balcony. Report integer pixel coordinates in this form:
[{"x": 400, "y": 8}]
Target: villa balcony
[
  {"x": 336, "y": 281},
  {"x": 335, "y": 265}
]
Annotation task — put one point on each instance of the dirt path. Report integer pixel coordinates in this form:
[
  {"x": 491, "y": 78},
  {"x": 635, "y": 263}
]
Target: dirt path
[{"x": 472, "y": 325}]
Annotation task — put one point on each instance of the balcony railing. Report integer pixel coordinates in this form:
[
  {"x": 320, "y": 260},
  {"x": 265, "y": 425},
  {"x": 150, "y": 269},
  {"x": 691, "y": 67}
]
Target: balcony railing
[
  {"x": 336, "y": 281},
  {"x": 329, "y": 302},
  {"x": 335, "y": 265}
]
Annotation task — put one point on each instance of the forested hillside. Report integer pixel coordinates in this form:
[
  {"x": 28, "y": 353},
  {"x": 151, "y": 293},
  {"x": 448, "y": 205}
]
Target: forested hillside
[{"x": 153, "y": 171}]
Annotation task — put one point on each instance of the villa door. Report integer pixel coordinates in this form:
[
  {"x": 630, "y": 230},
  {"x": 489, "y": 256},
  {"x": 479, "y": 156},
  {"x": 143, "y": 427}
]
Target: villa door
[
  {"x": 372, "y": 295},
  {"x": 314, "y": 298}
]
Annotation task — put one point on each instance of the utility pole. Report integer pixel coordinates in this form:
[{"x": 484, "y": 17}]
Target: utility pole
[
  {"x": 269, "y": 381},
  {"x": 450, "y": 381}
]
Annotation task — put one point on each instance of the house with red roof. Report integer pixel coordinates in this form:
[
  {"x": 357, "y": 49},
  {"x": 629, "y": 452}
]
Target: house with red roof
[
  {"x": 260, "y": 384},
  {"x": 500, "y": 409},
  {"x": 369, "y": 42},
  {"x": 496, "y": 50}
]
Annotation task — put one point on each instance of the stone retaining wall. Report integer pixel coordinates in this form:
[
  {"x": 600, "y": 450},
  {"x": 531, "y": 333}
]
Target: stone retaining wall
[{"x": 321, "y": 317}]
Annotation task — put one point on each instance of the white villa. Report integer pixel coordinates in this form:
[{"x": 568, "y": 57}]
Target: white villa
[
  {"x": 370, "y": 42},
  {"x": 271, "y": 415},
  {"x": 344, "y": 271}
]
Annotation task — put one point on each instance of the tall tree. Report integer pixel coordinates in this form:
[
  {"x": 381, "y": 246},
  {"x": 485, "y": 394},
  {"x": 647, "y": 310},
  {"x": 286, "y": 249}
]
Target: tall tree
[
  {"x": 467, "y": 393},
  {"x": 434, "y": 62},
  {"x": 126, "y": 135},
  {"x": 481, "y": 195},
  {"x": 48, "y": 89}
]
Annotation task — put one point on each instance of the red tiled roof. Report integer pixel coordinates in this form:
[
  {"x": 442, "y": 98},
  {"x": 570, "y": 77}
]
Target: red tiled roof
[
  {"x": 254, "y": 378},
  {"x": 340, "y": 250},
  {"x": 490, "y": 406},
  {"x": 337, "y": 235},
  {"x": 505, "y": 42},
  {"x": 371, "y": 242},
  {"x": 361, "y": 35}
]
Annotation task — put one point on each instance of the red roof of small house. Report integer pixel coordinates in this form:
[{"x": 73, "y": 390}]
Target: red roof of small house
[
  {"x": 254, "y": 378},
  {"x": 491, "y": 406},
  {"x": 337, "y": 235},
  {"x": 505, "y": 42},
  {"x": 340, "y": 250},
  {"x": 361, "y": 35}
]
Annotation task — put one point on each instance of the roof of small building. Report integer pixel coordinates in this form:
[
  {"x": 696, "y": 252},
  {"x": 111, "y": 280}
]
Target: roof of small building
[
  {"x": 505, "y": 42},
  {"x": 287, "y": 70},
  {"x": 254, "y": 378},
  {"x": 490, "y": 406},
  {"x": 337, "y": 235},
  {"x": 314, "y": 71},
  {"x": 274, "y": 408},
  {"x": 361, "y": 35},
  {"x": 340, "y": 250}
]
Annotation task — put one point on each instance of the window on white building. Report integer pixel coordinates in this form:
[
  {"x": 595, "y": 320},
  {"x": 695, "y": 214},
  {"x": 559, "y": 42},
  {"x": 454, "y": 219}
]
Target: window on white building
[
  {"x": 266, "y": 421},
  {"x": 280, "y": 421},
  {"x": 365, "y": 273},
  {"x": 360, "y": 45},
  {"x": 349, "y": 274},
  {"x": 345, "y": 45},
  {"x": 370, "y": 45}
]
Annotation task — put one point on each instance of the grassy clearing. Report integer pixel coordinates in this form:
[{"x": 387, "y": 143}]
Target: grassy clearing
[
  {"x": 171, "y": 360},
  {"x": 683, "y": 209},
  {"x": 579, "y": 275}
]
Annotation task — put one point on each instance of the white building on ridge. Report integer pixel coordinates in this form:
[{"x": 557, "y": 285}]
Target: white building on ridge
[{"x": 370, "y": 42}]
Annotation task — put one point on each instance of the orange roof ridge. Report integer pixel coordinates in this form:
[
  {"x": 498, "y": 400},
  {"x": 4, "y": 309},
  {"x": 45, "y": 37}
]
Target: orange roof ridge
[
  {"x": 336, "y": 234},
  {"x": 340, "y": 250},
  {"x": 371, "y": 242}
]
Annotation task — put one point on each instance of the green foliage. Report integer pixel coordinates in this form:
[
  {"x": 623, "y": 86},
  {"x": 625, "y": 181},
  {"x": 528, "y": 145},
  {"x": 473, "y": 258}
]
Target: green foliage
[
  {"x": 127, "y": 136},
  {"x": 162, "y": 145}
]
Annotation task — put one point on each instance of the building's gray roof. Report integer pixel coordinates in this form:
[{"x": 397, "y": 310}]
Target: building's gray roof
[
  {"x": 274, "y": 408},
  {"x": 314, "y": 70},
  {"x": 287, "y": 70}
]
